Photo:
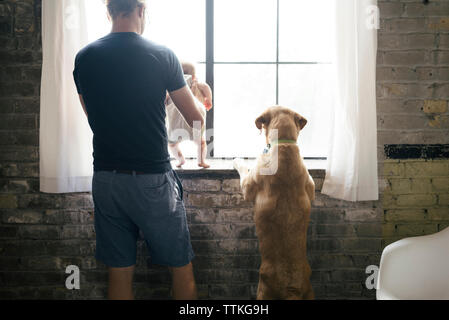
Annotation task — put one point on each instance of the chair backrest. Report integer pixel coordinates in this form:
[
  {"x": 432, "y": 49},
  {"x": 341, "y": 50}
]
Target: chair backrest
[{"x": 415, "y": 269}]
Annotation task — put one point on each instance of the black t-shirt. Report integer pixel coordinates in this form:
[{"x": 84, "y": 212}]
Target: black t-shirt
[{"x": 123, "y": 79}]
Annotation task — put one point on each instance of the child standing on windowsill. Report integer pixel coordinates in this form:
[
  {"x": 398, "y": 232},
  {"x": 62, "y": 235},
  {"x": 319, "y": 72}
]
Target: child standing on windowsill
[{"x": 203, "y": 98}]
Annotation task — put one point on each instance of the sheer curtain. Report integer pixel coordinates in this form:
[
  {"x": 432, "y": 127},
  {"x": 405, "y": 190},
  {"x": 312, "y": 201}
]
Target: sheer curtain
[
  {"x": 352, "y": 162},
  {"x": 65, "y": 136}
]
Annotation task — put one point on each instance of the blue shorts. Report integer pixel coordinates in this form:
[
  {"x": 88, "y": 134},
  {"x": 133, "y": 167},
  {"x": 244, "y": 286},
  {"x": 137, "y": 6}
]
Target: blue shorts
[{"x": 152, "y": 203}]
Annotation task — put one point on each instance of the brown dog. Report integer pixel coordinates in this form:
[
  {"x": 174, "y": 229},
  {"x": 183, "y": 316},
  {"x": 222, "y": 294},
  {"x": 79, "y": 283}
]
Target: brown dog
[{"x": 282, "y": 190}]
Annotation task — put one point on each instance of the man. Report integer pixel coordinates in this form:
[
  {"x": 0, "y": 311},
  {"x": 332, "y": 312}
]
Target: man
[{"x": 122, "y": 80}]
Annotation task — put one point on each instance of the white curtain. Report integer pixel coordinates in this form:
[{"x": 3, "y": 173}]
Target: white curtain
[
  {"x": 352, "y": 161},
  {"x": 65, "y": 136}
]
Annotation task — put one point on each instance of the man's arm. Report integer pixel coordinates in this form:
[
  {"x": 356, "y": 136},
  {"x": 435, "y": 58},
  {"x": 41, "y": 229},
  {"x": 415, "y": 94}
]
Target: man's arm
[
  {"x": 82, "y": 103},
  {"x": 183, "y": 100}
]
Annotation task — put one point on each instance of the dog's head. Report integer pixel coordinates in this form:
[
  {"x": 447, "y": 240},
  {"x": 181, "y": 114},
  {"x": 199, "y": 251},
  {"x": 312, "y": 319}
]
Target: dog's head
[{"x": 287, "y": 123}]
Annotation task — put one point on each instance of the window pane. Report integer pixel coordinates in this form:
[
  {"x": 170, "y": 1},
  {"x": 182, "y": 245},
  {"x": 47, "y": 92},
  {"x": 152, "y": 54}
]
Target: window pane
[
  {"x": 307, "y": 89},
  {"x": 245, "y": 30},
  {"x": 242, "y": 93},
  {"x": 98, "y": 24},
  {"x": 179, "y": 25},
  {"x": 201, "y": 72},
  {"x": 305, "y": 30}
]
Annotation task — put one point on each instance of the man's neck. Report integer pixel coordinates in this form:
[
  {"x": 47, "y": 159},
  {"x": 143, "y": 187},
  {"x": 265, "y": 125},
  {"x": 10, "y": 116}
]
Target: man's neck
[{"x": 124, "y": 27}]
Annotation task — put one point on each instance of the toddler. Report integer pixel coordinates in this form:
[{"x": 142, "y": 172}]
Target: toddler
[{"x": 203, "y": 98}]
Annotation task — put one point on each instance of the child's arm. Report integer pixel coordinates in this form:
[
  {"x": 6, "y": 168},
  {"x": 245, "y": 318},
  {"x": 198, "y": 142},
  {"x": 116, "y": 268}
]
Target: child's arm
[{"x": 207, "y": 93}]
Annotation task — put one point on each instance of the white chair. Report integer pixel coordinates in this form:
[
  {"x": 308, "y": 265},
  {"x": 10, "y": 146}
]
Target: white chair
[{"x": 415, "y": 269}]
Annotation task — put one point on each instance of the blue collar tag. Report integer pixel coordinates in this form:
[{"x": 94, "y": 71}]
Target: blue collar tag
[{"x": 267, "y": 149}]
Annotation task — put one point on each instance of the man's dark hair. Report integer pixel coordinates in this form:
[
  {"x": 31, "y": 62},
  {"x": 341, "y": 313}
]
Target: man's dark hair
[{"x": 117, "y": 8}]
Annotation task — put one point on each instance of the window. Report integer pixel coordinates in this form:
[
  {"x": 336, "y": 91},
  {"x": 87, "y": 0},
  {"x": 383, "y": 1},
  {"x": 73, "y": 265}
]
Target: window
[{"x": 254, "y": 54}]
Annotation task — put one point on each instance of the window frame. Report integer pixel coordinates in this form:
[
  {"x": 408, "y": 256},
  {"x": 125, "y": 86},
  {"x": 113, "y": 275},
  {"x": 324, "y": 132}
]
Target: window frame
[{"x": 210, "y": 64}]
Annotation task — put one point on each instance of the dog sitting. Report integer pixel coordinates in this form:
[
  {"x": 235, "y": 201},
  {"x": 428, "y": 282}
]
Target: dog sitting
[{"x": 282, "y": 190}]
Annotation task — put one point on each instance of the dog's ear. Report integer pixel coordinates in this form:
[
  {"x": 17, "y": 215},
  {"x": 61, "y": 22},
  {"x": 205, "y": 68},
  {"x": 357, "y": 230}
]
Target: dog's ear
[
  {"x": 263, "y": 120},
  {"x": 300, "y": 121}
]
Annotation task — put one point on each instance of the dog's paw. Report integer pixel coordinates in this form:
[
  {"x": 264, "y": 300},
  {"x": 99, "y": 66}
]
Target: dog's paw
[{"x": 239, "y": 165}]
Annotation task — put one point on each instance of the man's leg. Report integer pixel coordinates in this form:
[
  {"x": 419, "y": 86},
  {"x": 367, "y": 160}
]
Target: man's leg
[
  {"x": 121, "y": 283},
  {"x": 184, "y": 287}
]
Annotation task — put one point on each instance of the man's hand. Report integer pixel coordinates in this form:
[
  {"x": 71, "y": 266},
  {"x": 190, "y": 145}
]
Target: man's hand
[{"x": 183, "y": 100}]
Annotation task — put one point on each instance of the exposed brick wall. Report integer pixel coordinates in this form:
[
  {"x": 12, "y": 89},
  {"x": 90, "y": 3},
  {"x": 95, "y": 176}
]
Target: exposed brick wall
[
  {"x": 416, "y": 200},
  {"x": 413, "y": 73},
  {"x": 41, "y": 234},
  {"x": 413, "y": 94}
]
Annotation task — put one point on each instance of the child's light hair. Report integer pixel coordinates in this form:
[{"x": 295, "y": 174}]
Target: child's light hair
[
  {"x": 123, "y": 8},
  {"x": 189, "y": 68}
]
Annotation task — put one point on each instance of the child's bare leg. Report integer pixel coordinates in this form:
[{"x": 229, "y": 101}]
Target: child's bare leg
[
  {"x": 202, "y": 153},
  {"x": 174, "y": 148}
]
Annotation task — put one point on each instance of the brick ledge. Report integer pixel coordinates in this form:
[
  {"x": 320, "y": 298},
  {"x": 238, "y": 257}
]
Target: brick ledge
[{"x": 224, "y": 169}]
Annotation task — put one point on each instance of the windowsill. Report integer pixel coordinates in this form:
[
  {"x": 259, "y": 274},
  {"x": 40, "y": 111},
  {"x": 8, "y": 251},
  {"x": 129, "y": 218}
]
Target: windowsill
[{"x": 224, "y": 168}]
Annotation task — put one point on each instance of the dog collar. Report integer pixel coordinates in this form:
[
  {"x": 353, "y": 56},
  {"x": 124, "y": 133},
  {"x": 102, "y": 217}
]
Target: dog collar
[{"x": 275, "y": 142}]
